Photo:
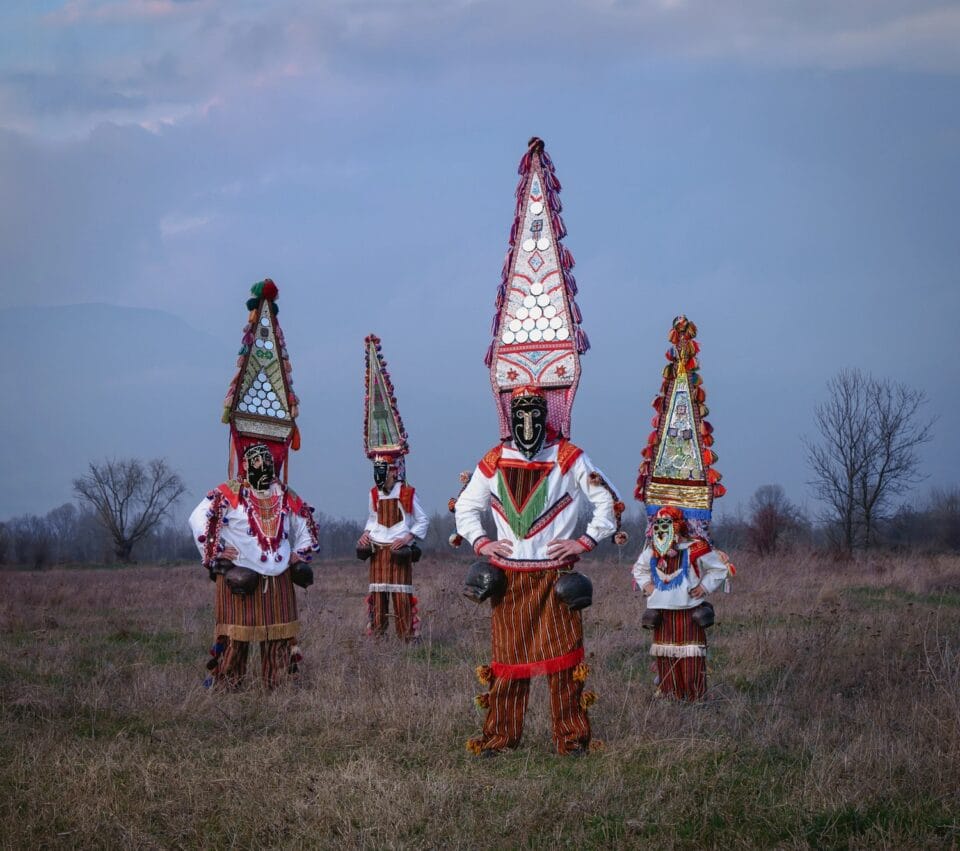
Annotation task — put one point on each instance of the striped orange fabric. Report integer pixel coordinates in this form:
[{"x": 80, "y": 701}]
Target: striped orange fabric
[
  {"x": 385, "y": 570},
  {"x": 266, "y": 614},
  {"x": 274, "y": 662},
  {"x": 388, "y": 512},
  {"x": 503, "y": 725},
  {"x": 682, "y": 677},
  {"x": 533, "y": 632}
]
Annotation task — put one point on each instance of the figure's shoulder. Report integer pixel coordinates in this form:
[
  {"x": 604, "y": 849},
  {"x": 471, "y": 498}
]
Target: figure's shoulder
[
  {"x": 567, "y": 454},
  {"x": 488, "y": 464},
  {"x": 294, "y": 502},
  {"x": 229, "y": 490},
  {"x": 698, "y": 548}
]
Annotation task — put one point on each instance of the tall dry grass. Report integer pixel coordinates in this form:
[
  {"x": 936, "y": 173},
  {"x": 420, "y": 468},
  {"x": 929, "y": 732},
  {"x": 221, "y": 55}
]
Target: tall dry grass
[{"x": 834, "y": 720}]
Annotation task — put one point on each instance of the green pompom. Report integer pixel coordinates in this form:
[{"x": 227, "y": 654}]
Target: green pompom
[
  {"x": 253, "y": 303},
  {"x": 257, "y": 289}
]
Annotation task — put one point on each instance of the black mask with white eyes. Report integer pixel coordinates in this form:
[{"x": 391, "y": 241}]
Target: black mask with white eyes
[
  {"x": 260, "y": 467},
  {"x": 528, "y": 424}
]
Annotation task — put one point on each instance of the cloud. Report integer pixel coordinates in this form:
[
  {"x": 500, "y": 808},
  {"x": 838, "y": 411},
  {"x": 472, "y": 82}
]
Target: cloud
[
  {"x": 146, "y": 61},
  {"x": 175, "y": 224},
  {"x": 113, "y": 11}
]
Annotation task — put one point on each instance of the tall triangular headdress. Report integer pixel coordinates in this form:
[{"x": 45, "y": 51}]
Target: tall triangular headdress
[
  {"x": 536, "y": 331},
  {"x": 383, "y": 433},
  {"x": 677, "y": 460},
  {"x": 260, "y": 405}
]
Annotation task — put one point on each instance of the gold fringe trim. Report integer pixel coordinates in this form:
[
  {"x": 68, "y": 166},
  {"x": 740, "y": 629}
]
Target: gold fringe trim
[
  {"x": 587, "y": 699},
  {"x": 475, "y": 746},
  {"x": 686, "y": 496},
  {"x": 581, "y": 672},
  {"x": 274, "y": 632}
]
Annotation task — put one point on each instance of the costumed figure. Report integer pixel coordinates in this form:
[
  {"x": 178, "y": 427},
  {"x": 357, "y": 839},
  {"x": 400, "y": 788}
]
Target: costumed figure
[
  {"x": 395, "y": 519},
  {"x": 254, "y": 533},
  {"x": 678, "y": 567},
  {"x": 532, "y": 483}
]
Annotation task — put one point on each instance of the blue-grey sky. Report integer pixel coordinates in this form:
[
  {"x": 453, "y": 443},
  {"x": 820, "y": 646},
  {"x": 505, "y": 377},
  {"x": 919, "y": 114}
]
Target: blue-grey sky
[{"x": 784, "y": 173}]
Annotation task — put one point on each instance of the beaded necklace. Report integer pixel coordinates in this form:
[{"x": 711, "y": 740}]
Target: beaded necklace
[{"x": 266, "y": 515}]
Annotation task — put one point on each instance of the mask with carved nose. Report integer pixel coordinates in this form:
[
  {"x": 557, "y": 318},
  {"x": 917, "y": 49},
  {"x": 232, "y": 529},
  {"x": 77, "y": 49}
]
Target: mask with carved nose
[{"x": 528, "y": 425}]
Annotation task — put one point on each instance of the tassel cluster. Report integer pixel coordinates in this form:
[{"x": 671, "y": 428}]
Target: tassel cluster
[
  {"x": 581, "y": 672},
  {"x": 296, "y": 657},
  {"x": 484, "y": 675}
]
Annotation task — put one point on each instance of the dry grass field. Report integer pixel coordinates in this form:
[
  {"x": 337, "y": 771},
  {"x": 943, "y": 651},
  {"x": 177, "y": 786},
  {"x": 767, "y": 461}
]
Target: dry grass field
[{"x": 834, "y": 720}]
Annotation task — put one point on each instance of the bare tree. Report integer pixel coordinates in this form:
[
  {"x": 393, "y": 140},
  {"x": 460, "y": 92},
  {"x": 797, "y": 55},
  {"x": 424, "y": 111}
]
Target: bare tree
[
  {"x": 772, "y": 518},
  {"x": 897, "y": 432},
  {"x": 129, "y": 497},
  {"x": 869, "y": 433}
]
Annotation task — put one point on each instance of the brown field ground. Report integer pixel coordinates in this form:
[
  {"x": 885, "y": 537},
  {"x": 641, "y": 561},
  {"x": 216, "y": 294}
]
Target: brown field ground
[{"x": 834, "y": 720}]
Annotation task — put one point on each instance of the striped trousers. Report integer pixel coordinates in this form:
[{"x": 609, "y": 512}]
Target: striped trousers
[
  {"x": 680, "y": 648},
  {"x": 533, "y": 633},
  {"x": 274, "y": 662},
  {"x": 386, "y": 572},
  {"x": 267, "y": 615},
  {"x": 503, "y": 726}
]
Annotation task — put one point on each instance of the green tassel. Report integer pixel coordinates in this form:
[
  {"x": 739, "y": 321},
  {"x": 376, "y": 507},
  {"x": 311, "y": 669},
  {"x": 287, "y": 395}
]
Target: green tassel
[{"x": 257, "y": 289}]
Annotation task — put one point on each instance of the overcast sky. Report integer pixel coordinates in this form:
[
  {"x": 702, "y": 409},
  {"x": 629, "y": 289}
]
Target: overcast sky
[{"x": 785, "y": 173}]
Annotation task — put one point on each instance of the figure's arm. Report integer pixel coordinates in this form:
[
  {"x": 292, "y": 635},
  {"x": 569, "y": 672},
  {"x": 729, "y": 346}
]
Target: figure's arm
[
  {"x": 713, "y": 571},
  {"x": 421, "y": 523},
  {"x": 473, "y": 501},
  {"x": 198, "y": 525},
  {"x": 641, "y": 567},
  {"x": 364, "y": 540},
  {"x": 601, "y": 495},
  {"x": 304, "y": 534},
  {"x": 371, "y": 515}
]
